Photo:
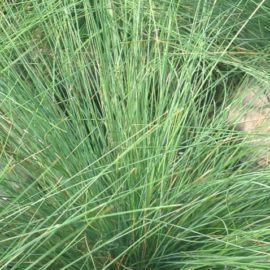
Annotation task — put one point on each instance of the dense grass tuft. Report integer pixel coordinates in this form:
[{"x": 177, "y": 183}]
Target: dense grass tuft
[{"x": 116, "y": 151}]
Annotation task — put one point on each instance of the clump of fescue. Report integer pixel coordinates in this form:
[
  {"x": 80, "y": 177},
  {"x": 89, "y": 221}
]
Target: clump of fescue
[{"x": 116, "y": 150}]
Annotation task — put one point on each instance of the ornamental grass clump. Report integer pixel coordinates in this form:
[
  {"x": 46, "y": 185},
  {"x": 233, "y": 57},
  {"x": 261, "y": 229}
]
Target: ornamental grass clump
[{"x": 117, "y": 149}]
